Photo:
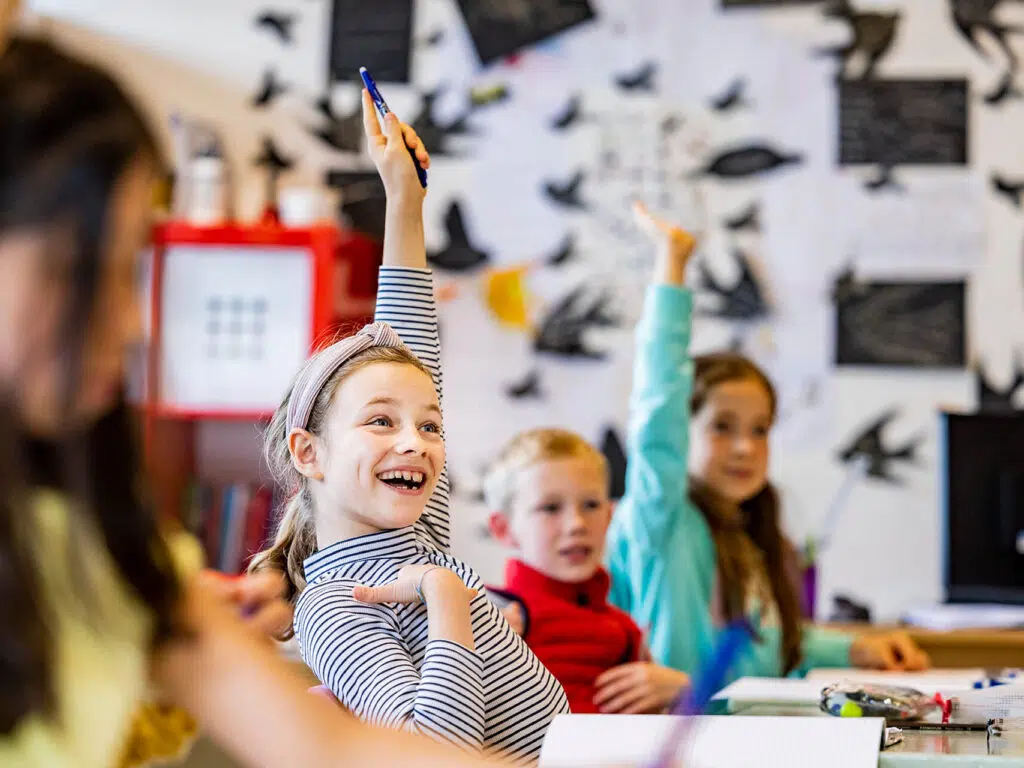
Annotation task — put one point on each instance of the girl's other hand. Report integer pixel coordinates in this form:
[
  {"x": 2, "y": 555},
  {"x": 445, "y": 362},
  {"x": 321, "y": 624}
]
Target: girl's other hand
[
  {"x": 259, "y": 597},
  {"x": 638, "y": 688},
  {"x": 675, "y": 245},
  {"x": 431, "y": 580},
  {"x": 892, "y": 651},
  {"x": 389, "y": 150}
]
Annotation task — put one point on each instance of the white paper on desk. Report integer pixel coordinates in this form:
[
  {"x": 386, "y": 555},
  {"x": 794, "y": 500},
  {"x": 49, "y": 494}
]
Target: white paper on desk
[
  {"x": 715, "y": 742},
  {"x": 933, "y": 681},
  {"x": 968, "y": 616},
  {"x": 771, "y": 690}
]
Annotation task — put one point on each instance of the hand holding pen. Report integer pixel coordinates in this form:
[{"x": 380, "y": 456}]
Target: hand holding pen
[{"x": 386, "y": 146}]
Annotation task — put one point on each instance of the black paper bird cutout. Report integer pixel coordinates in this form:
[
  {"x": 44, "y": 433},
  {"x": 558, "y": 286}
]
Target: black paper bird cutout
[
  {"x": 570, "y": 114},
  {"x": 486, "y": 95},
  {"x": 885, "y": 181},
  {"x": 871, "y": 34},
  {"x": 870, "y": 443},
  {"x": 615, "y": 455},
  {"x": 748, "y": 218},
  {"x": 744, "y": 300},
  {"x": 280, "y": 24},
  {"x": 974, "y": 17},
  {"x": 670, "y": 125},
  {"x": 641, "y": 80},
  {"x": 528, "y": 387},
  {"x": 271, "y": 159},
  {"x": 563, "y": 329},
  {"x": 270, "y": 89},
  {"x": 992, "y": 399},
  {"x": 434, "y": 135},
  {"x": 1004, "y": 90},
  {"x": 566, "y": 195},
  {"x": 343, "y": 133},
  {"x": 752, "y": 160},
  {"x": 847, "y": 287},
  {"x": 1008, "y": 189},
  {"x": 733, "y": 98},
  {"x": 459, "y": 255},
  {"x": 565, "y": 253}
]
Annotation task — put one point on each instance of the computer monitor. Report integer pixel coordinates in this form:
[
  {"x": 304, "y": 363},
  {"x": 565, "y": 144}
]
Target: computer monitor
[{"x": 983, "y": 506}]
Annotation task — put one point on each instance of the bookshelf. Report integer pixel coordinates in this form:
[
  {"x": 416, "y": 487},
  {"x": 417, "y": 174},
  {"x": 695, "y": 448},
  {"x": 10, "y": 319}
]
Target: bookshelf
[{"x": 233, "y": 311}]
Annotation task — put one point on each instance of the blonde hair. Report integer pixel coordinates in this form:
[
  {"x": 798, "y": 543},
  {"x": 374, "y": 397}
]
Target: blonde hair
[
  {"x": 526, "y": 449},
  {"x": 295, "y": 539}
]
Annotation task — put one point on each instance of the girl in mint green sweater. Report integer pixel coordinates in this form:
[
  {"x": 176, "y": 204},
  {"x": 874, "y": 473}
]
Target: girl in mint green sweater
[{"x": 696, "y": 541}]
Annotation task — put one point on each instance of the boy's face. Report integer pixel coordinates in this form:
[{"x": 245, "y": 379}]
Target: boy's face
[{"x": 559, "y": 517}]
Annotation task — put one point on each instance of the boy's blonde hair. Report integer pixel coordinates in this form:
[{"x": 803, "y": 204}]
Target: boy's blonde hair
[{"x": 528, "y": 448}]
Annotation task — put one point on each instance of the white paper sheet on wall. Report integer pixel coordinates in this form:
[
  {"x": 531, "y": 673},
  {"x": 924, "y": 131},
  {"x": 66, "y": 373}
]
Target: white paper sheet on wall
[
  {"x": 722, "y": 742},
  {"x": 936, "y": 225}
]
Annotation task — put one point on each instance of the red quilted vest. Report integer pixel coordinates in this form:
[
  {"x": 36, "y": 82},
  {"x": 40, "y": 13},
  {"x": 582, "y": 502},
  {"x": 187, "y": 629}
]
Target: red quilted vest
[{"x": 573, "y": 630}]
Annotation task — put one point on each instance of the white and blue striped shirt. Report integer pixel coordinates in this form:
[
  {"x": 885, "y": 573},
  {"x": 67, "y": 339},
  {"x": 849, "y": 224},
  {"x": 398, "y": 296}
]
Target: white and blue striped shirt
[{"x": 376, "y": 658}]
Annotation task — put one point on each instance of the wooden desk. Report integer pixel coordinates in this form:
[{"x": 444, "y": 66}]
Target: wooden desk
[{"x": 988, "y": 649}]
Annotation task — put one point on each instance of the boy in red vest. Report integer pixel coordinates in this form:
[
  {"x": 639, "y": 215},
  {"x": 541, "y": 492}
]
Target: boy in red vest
[{"x": 548, "y": 492}]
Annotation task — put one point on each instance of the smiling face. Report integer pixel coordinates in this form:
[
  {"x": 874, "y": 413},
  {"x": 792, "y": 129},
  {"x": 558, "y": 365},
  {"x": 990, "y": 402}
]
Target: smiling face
[
  {"x": 558, "y": 517},
  {"x": 380, "y": 452},
  {"x": 729, "y": 438}
]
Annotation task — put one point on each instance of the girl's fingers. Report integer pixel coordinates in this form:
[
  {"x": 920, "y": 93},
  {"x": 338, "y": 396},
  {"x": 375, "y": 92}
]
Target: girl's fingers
[
  {"x": 616, "y": 689},
  {"x": 623, "y": 702},
  {"x": 622, "y": 672},
  {"x": 413, "y": 142}
]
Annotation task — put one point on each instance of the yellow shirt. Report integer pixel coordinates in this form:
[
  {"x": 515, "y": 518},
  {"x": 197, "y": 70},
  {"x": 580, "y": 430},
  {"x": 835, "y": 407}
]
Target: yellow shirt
[{"x": 101, "y": 647}]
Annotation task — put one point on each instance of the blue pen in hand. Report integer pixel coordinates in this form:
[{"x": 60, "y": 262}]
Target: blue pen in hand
[{"x": 382, "y": 110}]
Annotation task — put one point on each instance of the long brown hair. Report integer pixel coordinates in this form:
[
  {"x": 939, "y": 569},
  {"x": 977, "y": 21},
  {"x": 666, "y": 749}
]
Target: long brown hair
[
  {"x": 68, "y": 133},
  {"x": 747, "y": 537}
]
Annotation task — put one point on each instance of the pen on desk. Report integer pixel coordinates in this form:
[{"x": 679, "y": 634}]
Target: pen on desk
[
  {"x": 710, "y": 679},
  {"x": 383, "y": 110}
]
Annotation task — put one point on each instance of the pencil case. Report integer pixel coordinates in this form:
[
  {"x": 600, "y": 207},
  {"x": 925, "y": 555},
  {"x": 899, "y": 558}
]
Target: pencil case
[{"x": 895, "y": 703}]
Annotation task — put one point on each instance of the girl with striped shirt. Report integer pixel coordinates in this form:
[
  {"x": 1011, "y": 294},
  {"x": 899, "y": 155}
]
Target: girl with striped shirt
[{"x": 399, "y": 630}]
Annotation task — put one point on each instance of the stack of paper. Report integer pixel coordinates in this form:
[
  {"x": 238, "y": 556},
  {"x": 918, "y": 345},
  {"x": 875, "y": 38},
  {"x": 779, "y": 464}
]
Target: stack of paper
[
  {"x": 597, "y": 741},
  {"x": 773, "y": 691}
]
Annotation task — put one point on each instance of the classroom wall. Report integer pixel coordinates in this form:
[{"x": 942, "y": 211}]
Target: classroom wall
[{"x": 206, "y": 59}]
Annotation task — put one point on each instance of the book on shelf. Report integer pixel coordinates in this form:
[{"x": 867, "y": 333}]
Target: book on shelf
[{"x": 233, "y": 521}]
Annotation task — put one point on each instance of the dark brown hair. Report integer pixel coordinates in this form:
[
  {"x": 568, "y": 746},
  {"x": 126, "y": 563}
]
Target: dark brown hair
[
  {"x": 68, "y": 134},
  {"x": 750, "y": 536}
]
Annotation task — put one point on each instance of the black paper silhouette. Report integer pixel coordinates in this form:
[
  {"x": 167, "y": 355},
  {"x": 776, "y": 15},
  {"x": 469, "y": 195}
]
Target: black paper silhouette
[
  {"x": 435, "y": 136},
  {"x": 748, "y": 218},
  {"x": 500, "y": 28},
  {"x": 269, "y": 90},
  {"x": 363, "y": 200},
  {"x": 871, "y": 33},
  {"x": 1004, "y": 91},
  {"x": 278, "y": 24},
  {"x": 992, "y": 399},
  {"x": 275, "y": 163},
  {"x": 884, "y": 180},
  {"x": 529, "y": 387},
  {"x": 376, "y": 34},
  {"x": 566, "y": 194},
  {"x": 1009, "y": 189},
  {"x": 343, "y": 133},
  {"x": 733, "y": 98},
  {"x": 459, "y": 255},
  {"x": 870, "y": 443},
  {"x": 566, "y": 252},
  {"x": 615, "y": 454},
  {"x": 562, "y": 331},
  {"x": 744, "y": 300},
  {"x": 571, "y": 114},
  {"x": 751, "y": 160},
  {"x": 641, "y": 80},
  {"x": 974, "y": 17}
]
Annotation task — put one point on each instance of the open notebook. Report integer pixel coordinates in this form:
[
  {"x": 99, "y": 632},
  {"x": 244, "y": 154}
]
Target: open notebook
[{"x": 597, "y": 741}]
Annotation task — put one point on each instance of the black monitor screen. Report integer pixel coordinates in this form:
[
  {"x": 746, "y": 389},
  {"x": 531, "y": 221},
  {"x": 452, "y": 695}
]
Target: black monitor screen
[{"x": 983, "y": 505}]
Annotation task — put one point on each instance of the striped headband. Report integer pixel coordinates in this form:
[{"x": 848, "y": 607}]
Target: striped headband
[{"x": 324, "y": 364}]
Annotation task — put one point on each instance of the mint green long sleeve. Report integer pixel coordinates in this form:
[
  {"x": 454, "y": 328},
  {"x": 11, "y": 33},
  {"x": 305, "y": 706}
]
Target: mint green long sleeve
[{"x": 661, "y": 554}]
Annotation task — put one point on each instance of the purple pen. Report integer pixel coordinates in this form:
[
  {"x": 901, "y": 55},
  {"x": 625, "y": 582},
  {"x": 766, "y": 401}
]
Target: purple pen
[{"x": 382, "y": 110}]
